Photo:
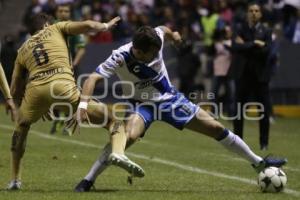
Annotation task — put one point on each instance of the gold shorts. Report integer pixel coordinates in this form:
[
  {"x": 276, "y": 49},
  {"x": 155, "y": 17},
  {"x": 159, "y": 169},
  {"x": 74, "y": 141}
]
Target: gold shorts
[{"x": 60, "y": 94}]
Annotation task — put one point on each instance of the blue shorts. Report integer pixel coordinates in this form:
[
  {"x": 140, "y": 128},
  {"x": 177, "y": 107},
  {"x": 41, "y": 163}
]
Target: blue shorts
[{"x": 177, "y": 111}]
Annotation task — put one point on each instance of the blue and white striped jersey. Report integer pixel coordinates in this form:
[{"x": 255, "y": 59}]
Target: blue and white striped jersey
[{"x": 140, "y": 81}]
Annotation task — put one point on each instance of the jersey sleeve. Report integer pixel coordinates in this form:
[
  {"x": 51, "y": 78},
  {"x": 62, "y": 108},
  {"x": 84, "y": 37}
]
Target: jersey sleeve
[
  {"x": 109, "y": 66},
  {"x": 63, "y": 27}
]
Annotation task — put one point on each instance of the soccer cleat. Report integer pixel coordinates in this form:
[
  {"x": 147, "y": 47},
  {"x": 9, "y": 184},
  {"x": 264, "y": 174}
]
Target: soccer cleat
[
  {"x": 122, "y": 161},
  {"x": 269, "y": 162},
  {"x": 14, "y": 185},
  {"x": 84, "y": 186}
]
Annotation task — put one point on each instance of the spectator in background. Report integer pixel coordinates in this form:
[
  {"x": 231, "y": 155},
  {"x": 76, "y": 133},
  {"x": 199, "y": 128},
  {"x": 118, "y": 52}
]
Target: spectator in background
[
  {"x": 49, "y": 7},
  {"x": 142, "y": 6},
  {"x": 8, "y": 55},
  {"x": 225, "y": 11},
  {"x": 76, "y": 46},
  {"x": 76, "y": 43},
  {"x": 292, "y": 30},
  {"x": 123, "y": 30},
  {"x": 221, "y": 64},
  {"x": 209, "y": 22},
  {"x": 100, "y": 12},
  {"x": 251, "y": 49},
  {"x": 34, "y": 8},
  {"x": 188, "y": 65}
]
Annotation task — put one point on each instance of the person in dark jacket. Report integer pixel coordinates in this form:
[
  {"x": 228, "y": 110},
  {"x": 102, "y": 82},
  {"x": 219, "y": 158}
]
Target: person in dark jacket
[
  {"x": 251, "y": 48},
  {"x": 188, "y": 65}
]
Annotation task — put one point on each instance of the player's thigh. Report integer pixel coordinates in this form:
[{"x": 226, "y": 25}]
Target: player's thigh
[
  {"x": 67, "y": 97},
  {"x": 64, "y": 96},
  {"x": 99, "y": 113},
  {"x": 34, "y": 105},
  {"x": 134, "y": 126},
  {"x": 205, "y": 124}
]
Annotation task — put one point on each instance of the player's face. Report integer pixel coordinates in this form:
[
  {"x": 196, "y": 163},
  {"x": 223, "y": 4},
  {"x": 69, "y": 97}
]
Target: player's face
[
  {"x": 149, "y": 55},
  {"x": 63, "y": 13},
  {"x": 254, "y": 13}
]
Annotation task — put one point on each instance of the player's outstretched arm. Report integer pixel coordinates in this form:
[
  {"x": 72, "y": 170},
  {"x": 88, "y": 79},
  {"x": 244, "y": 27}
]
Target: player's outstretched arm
[
  {"x": 88, "y": 26},
  {"x": 10, "y": 106},
  {"x": 87, "y": 92},
  {"x": 170, "y": 35}
]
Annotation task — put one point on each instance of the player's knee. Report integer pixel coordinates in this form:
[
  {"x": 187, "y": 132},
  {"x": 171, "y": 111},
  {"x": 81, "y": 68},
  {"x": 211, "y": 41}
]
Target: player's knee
[
  {"x": 23, "y": 124},
  {"x": 116, "y": 126},
  {"x": 131, "y": 135}
]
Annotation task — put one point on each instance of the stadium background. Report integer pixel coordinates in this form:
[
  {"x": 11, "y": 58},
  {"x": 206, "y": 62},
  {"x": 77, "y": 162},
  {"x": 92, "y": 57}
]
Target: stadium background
[{"x": 182, "y": 15}]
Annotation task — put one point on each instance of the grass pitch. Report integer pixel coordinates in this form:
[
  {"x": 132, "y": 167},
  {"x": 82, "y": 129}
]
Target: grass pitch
[{"x": 179, "y": 165}]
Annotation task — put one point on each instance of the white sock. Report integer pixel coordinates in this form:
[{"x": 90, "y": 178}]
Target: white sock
[
  {"x": 100, "y": 165},
  {"x": 235, "y": 144}
]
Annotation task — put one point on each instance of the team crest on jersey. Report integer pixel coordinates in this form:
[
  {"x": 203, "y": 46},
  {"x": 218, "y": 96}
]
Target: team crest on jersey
[{"x": 137, "y": 69}]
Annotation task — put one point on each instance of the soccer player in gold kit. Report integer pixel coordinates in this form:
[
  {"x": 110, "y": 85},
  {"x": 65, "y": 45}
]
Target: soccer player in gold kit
[{"x": 45, "y": 61}]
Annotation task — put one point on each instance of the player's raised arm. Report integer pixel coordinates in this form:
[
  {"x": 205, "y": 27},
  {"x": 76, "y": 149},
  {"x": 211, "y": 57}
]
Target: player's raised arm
[
  {"x": 88, "y": 26},
  {"x": 170, "y": 35}
]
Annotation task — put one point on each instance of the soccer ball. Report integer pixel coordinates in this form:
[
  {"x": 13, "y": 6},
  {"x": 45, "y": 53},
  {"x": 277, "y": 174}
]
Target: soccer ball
[{"x": 272, "y": 179}]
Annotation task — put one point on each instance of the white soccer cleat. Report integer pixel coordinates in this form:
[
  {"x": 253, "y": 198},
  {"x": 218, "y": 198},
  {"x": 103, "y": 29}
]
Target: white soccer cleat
[
  {"x": 124, "y": 162},
  {"x": 14, "y": 185}
]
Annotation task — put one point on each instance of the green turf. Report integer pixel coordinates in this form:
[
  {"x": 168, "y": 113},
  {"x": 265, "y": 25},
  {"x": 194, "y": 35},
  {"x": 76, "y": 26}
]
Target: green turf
[{"x": 53, "y": 167}]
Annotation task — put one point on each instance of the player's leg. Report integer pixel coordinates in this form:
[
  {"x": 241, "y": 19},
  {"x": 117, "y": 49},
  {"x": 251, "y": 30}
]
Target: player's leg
[
  {"x": 99, "y": 113},
  {"x": 205, "y": 124},
  {"x": 32, "y": 108},
  {"x": 135, "y": 127},
  {"x": 18, "y": 145},
  {"x": 118, "y": 137}
]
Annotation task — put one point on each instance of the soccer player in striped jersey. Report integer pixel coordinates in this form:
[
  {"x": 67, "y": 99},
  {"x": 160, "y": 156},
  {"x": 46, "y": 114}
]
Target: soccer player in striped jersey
[{"x": 151, "y": 96}]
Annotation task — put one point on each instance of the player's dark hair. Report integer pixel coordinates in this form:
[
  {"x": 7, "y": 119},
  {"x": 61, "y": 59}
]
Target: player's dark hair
[
  {"x": 38, "y": 21},
  {"x": 145, "y": 38}
]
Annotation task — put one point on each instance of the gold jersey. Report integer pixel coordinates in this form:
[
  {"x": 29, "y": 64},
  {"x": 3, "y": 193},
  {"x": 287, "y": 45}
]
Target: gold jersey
[{"x": 45, "y": 55}]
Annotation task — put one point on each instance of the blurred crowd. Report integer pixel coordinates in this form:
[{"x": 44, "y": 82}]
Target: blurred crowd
[{"x": 194, "y": 19}]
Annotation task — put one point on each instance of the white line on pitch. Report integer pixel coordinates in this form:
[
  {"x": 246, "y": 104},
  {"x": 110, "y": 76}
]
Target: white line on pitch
[
  {"x": 231, "y": 157},
  {"x": 157, "y": 160}
]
